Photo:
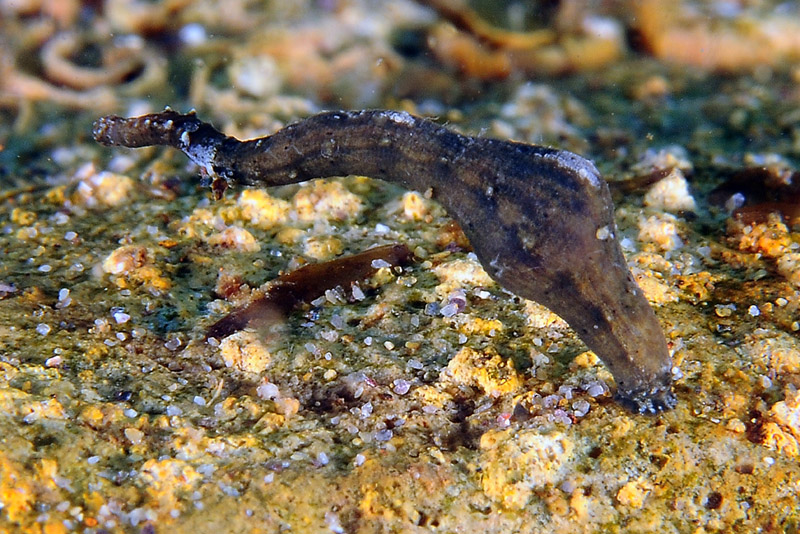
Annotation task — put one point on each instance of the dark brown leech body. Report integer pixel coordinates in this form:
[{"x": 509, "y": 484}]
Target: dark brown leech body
[
  {"x": 540, "y": 219},
  {"x": 306, "y": 284}
]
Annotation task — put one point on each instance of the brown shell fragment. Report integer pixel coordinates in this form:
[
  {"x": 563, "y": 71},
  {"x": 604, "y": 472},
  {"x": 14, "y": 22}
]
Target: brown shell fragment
[{"x": 306, "y": 284}]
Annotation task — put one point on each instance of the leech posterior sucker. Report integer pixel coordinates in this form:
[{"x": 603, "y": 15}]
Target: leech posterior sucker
[{"x": 540, "y": 220}]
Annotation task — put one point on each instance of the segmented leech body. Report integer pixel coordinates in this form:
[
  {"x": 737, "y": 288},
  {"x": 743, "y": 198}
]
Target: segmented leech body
[{"x": 539, "y": 219}]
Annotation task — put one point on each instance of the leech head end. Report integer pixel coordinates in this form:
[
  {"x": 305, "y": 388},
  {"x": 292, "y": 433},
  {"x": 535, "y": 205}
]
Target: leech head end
[{"x": 101, "y": 129}]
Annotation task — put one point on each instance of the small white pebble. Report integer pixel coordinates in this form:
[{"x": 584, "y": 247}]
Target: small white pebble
[
  {"x": 70, "y": 236},
  {"x": 92, "y": 460},
  {"x": 381, "y": 229},
  {"x": 269, "y": 477},
  {"x": 504, "y": 420},
  {"x": 268, "y": 391},
  {"x": 383, "y": 435},
  {"x": 130, "y": 412},
  {"x": 198, "y": 400},
  {"x": 560, "y": 416},
  {"x": 603, "y": 233},
  {"x": 322, "y": 459},
  {"x": 333, "y": 522},
  {"x": 43, "y": 329},
  {"x": 366, "y": 410},
  {"x": 449, "y": 310},
  {"x": 565, "y": 391},
  {"x": 208, "y": 469},
  {"x": 46, "y": 268},
  {"x": 63, "y": 294},
  {"x": 193, "y": 34},
  {"x": 334, "y": 296},
  {"x": 389, "y": 345},
  {"x": 329, "y": 335},
  {"x": 379, "y": 263},
  {"x": 122, "y": 317},
  {"x": 337, "y": 321},
  {"x": 54, "y": 361},
  {"x": 134, "y": 435},
  {"x": 595, "y": 390},
  {"x": 358, "y": 294},
  {"x": 60, "y": 218},
  {"x": 173, "y": 410},
  {"x": 754, "y": 311},
  {"x": 173, "y": 343},
  {"x": 401, "y": 386},
  {"x": 581, "y": 407},
  {"x": 359, "y": 459}
]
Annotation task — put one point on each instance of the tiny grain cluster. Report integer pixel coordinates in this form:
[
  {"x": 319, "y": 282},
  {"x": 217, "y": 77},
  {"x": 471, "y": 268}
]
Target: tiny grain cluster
[{"x": 408, "y": 392}]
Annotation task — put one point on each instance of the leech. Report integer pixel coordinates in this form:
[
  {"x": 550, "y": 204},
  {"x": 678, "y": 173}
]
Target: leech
[
  {"x": 307, "y": 283},
  {"x": 540, "y": 220}
]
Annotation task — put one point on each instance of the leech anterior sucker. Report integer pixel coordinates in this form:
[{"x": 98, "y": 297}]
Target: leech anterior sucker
[{"x": 540, "y": 220}]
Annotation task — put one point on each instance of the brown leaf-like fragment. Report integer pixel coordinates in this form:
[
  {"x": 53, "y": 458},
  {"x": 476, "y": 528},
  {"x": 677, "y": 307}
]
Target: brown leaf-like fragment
[{"x": 306, "y": 284}]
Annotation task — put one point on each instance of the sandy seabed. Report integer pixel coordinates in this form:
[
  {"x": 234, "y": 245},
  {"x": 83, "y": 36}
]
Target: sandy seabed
[{"x": 428, "y": 399}]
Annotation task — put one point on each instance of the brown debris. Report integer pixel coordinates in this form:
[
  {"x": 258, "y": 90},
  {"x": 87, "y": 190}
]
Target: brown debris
[
  {"x": 675, "y": 32},
  {"x": 465, "y": 19},
  {"x": 761, "y": 191},
  {"x": 306, "y": 284},
  {"x": 483, "y": 51}
]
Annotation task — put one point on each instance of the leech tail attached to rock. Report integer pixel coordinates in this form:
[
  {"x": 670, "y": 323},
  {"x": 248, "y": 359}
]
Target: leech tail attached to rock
[{"x": 540, "y": 220}]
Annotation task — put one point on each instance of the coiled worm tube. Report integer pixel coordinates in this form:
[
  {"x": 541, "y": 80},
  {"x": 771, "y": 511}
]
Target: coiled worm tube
[{"x": 540, "y": 220}]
